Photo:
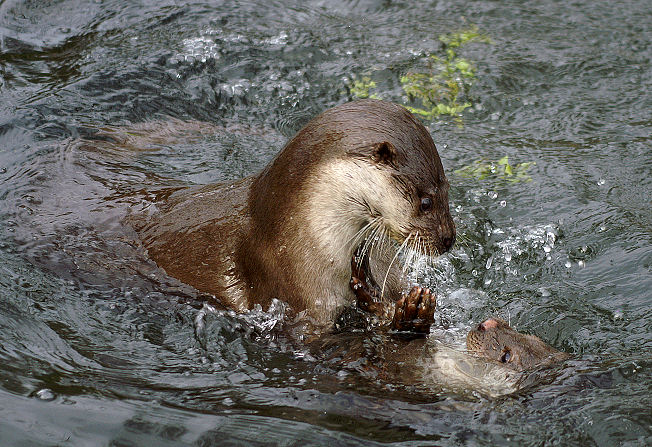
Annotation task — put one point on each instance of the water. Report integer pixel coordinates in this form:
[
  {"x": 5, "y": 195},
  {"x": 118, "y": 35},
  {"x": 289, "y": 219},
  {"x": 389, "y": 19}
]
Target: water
[{"x": 97, "y": 347}]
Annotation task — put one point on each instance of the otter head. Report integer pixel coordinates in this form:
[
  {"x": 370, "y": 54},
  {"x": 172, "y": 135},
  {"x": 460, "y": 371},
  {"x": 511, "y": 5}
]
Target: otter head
[
  {"x": 379, "y": 175},
  {"x": 496, "y": 340},
  {"x": 362, "y": 170},
  {"x": 410, "y": 203}
]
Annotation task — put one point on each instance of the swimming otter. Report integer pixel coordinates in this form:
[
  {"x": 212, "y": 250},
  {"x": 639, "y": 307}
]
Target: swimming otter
[
  {"x": 428, "y": 363},
  {"x": 359, "y": 173},
  {"x": 496, "y": 340}
]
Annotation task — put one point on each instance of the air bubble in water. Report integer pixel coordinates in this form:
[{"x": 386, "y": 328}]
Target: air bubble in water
[
  {"x": 45, "y": 394},
  {"x": 551, "y": 238}
]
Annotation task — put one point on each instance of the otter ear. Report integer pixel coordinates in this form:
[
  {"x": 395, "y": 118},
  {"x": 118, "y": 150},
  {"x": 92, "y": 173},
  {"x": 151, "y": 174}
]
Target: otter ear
[{"x": 384, "y": 152}]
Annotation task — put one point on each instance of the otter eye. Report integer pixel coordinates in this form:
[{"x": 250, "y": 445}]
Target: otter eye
[
  {"x": 507, "y": 355},
  {"x": 426, "y": 204}
]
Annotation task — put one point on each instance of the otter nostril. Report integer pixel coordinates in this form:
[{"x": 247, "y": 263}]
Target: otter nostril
[{"x": 481, "y": 327}]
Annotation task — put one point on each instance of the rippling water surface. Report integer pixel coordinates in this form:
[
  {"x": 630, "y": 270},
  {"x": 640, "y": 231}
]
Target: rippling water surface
[{"x": 98, "y": 347}]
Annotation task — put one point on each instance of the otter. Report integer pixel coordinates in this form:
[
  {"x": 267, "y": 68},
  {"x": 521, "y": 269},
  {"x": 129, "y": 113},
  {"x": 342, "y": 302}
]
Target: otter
[
  {"x": 427, "y": 363},
  {"x": 356, "y": 182},
  {"x": 496, "y": 340}
]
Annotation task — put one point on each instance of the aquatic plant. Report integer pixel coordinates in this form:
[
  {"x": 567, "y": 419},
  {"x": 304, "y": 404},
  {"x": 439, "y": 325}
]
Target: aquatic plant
[
  {"x": 501, "y": 169},
  {"x": 360, "y": 87},
  {"x": 440, "y": 84}
]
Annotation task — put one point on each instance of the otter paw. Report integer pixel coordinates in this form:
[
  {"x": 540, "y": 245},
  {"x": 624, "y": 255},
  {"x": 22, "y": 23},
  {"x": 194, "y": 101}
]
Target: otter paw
[
  {"x": 366, "y": 297},
  {"x": 415, "y": 311}
]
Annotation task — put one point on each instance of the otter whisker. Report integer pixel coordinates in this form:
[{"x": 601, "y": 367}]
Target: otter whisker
[
  {"x": 369, "y": 239},
  {"x": 373, "y": 240},
  {"x": 462, "y": 240},
  {"x": 376, "y": 234},
  {"x": 386, "y": 242},
  {"x": 431, "y": 254},
  {"x": 400, "y": 248},
  {"x": 361, "y": 234},
  {"x": 412, "y": 253}
]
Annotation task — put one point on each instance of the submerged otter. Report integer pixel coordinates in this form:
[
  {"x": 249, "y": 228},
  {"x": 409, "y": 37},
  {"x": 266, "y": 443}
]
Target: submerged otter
[
  {"x": 354, "y": 182},
  {"x": 427, "y": 363}
]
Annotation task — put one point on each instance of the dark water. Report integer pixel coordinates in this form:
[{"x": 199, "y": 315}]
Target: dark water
[{"x": 97, "y": 347}]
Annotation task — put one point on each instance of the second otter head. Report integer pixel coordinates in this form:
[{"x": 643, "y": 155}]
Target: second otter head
[{"x": 496, "y": 340}]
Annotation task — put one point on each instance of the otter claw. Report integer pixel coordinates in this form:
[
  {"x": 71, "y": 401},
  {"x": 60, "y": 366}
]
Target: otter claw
[
  {"x": 366, "y": 298},
  {"x": 415, "y": 311}
]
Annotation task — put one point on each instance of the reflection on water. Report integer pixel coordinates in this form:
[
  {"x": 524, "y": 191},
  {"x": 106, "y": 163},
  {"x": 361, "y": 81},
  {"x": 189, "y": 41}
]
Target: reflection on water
[{"x": 98, "y": 346}]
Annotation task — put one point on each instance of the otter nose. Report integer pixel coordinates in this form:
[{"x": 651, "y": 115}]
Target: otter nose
[
  {"x": 487, "y": 324},
  {"x": 448, "y": 237},
  {"x": 448, "y": 241}
]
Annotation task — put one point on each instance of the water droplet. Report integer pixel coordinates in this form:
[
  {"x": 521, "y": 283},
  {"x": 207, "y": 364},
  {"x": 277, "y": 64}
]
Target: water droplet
[
  {"x": 568, "y": 264},
  {"x": 489, "y": 262},
  {"x": 618, "y": 314},
  {"x": 492, "y": 194},
  {"x": 474, "y": 273},
  {"x": 581, "y": 263},
  {"x": 503, "y": 203},
  {"x": 601, "y": 182},
  {"x": 45, "y": 394}
]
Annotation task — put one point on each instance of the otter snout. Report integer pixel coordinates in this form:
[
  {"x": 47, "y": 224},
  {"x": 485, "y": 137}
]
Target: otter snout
[
  {"x": 447, "y": 235},
  {"x": 448, "y": 240}
]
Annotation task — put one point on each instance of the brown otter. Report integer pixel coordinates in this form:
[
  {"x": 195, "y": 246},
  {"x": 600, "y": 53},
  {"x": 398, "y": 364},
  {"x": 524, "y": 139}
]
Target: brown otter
[
  {"x": 359, "y": 173},
  {"x": 428, "y": 363},
  {"x": 496, "y": 340}
]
